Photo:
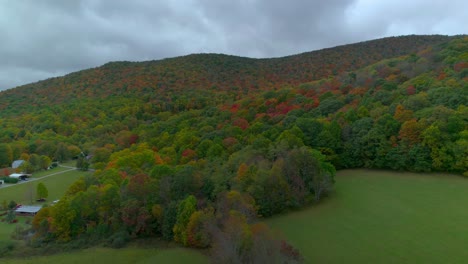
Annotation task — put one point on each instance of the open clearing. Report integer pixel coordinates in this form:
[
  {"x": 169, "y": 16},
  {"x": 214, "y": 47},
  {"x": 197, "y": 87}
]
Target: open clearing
[
  {"x": 384, "y": 217},
  {"x": 56, "y": 184}
]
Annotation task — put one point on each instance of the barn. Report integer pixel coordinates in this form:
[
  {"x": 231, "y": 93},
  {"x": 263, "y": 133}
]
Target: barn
[
  {"x": 28, "y": 210},
  {"x": 20, "y": 176}
]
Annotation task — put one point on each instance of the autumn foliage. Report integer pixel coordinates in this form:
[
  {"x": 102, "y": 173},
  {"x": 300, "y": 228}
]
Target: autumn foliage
[{"x": 197, "y": 149}]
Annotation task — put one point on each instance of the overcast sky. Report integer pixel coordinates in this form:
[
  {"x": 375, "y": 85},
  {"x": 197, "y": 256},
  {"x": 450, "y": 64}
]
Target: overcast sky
[{"x": 46, "y": 38}]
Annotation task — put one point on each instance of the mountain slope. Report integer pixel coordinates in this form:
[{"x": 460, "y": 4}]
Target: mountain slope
[{"x": 210, "y": 71}]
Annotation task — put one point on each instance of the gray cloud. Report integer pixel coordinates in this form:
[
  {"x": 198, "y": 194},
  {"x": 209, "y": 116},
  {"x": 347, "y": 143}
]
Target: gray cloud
[{"x": 41, "y": 39}]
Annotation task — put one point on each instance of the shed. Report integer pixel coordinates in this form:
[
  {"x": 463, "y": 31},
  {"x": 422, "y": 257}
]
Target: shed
[
  {"x": 16, "y": 164},
  {"x": 20, "y": 176},
  {"x": 28, "y": 209}
]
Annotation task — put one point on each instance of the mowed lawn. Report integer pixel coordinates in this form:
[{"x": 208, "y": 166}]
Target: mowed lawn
[
  {"x": 384, "y": 217},
  {"x": 118, "y": 256},
  {"x": 56, "y": 185}
]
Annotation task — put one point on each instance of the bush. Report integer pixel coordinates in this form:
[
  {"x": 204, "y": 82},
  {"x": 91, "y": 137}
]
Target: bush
[
  {"x": 12, "y": 205},
  {"x": 11, "y": 217},
  {"x": 6, "y": 247},
  {"x": 20, "y": 232},
  {"x": 78, "y": 243},
  {"x": 119, "y": 239},
  {"x": 9, "y": 180}
]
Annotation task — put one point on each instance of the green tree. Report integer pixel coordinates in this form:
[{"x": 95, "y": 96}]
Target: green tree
[
  {"x": 82, "y": 164},
  {"x": 11, "y": 216},
  {"x": 198, "y": 228},
  {"x": 11, "y": 205},
  {"x": 308, "y": 172},
  {"x": 40, "y": 222},
  {"x": 169, "y": 220},
  {"x": 41, "y": 191},
  {"x": 26, "y": 167},
  {"x": 62, "y": 153},
  {"x": 461, "y": 153},
  {"x": 35, "y": 161},
  {"x": 76, "y": 187},
  {"x": 271, "y": 191},
  {"x": 6, "y": 155},
  {"x": 47, "y": 148},
  {"x": 185, "y": 209},
  {"x": 45, "y": 162},
  {"x": 63, "y": 216},
  {"x": 109, "y": 200}
]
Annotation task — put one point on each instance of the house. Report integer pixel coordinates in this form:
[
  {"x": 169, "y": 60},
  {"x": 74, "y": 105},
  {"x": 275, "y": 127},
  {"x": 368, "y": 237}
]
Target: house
[
  {"x": 17, "y": 163},
  {"x": 28, "y": 210},
  {"x": 20, "y": 176}
]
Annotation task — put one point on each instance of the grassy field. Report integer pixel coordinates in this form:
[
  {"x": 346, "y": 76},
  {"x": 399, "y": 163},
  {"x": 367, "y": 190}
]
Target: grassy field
[
  {"x": 43, "y": 173},
  {"x": 384, "y": 217},
  {"x": 7, "y": 229},
  {"x": 117, "y": 256},
  {"x": 56, "y": 185}
]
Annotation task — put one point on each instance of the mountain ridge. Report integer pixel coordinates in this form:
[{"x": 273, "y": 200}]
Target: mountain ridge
[{"x": 215, "y": 71}]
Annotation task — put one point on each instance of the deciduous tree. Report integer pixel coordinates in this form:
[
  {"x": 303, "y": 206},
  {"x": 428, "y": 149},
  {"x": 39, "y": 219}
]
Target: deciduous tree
[{"x": 41, "y": 191}]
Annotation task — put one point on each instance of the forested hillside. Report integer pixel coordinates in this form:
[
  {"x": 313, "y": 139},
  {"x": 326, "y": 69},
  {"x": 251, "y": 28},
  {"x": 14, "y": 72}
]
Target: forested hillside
[
  {"x": 212, "y": 72},
  {"x": 195, "y": 148}
]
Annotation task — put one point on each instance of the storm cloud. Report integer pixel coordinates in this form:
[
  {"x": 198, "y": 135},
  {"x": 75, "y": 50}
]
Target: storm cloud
[{"x": 42, "y": 39}]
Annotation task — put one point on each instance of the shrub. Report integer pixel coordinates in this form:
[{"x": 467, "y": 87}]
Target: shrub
[
  {"x": 12, "y": 205},
  {"x": 11, "y": 217},
  {"x": 6, "y": 247},
  {"x": 9, "y": 180},
  {"x": 119, "y": 239}
]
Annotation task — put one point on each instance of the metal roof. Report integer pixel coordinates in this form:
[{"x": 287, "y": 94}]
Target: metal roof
[
  {"x": 17, "y": 175},
  {"x": 17, "y": 163},
  {"x": 31, "y": 209}
]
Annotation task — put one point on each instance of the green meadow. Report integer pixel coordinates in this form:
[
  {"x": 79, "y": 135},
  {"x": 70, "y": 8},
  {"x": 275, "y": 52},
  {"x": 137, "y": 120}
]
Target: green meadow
[
  {"x": 118, "y": 256},
  {"x": 383, "y": 217},
  {"x": 55, "y": 184}
]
